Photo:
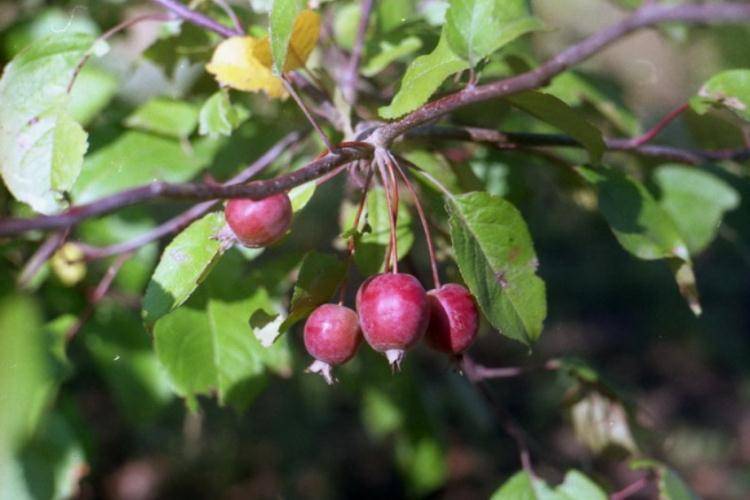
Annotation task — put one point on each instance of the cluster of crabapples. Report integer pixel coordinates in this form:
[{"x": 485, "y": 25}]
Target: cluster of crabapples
[{"x": 393, "y": 310}]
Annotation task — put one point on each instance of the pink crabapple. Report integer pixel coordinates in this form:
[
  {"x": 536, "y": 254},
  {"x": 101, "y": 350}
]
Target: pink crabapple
[
  {"x": 454, "y": 319},
  {"x": 258, "y": 223},
  {"x": 332, "y": 336},
  {"x": 393, "y": 313}
]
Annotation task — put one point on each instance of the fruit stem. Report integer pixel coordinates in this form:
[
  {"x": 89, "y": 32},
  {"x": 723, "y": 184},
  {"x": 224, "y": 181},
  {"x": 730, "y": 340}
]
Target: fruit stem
[
  {"x": 422, "y": 219},
  {"x": 355, "y": 227},
  {"x": 289, "y": 88},
  {"x": 391, "y": 257}
]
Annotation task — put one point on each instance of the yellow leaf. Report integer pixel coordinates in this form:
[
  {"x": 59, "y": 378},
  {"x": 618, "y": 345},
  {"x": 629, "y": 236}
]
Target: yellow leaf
[
  {"x": 235, "y": 64},
  {"x": 304, "y": 38}
]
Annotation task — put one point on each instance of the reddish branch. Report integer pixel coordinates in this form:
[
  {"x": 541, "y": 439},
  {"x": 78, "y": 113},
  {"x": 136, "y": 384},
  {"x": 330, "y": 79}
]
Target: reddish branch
[
  {"x": 180, "y": 221},
  {"x": 521, "y": 140},
  {"x": 383, "y": 136},
  {"x": 191, "y": 16},
  {"x": 351, "y": 73},
  {"x": 189, "y": 191},
  {"x": 540, "y": 76}
]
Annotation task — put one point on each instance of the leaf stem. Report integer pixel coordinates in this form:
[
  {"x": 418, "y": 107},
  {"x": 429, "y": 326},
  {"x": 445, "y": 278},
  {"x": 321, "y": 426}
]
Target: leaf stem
[{"x": 290, "y": 88}]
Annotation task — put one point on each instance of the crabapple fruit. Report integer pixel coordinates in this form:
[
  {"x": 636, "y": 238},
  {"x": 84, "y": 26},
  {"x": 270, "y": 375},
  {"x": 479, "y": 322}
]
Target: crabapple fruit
[
  {"x": 393, "y": 313},
  {"x": 454, "y": 319},
  {"x": 258, "y": 223},
  {"x": 332, "y": 336}
]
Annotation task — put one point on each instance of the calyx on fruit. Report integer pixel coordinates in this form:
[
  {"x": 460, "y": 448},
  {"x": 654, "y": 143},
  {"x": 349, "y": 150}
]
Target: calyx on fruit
[{"x": 331, "y": 336}]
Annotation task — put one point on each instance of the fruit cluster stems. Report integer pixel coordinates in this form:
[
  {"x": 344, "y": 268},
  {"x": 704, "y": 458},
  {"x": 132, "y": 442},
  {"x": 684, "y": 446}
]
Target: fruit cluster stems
[
  {"x": 422, "y": 219},
  {"x": 352, "y": 243}
]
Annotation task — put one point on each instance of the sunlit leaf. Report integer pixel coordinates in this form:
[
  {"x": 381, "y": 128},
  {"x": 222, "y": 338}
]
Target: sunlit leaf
[
  {"x": 696, "y": 200},
  {"x": 169, "y": 117},
  {"x": 41, "y": 146},
  {"x": 423, "y": 77},
  {"x": 728, "y": 89},
  {"x": 495, "y": 254},
  {"x": 477, "y": 28},
  {"x": 183, "y": 265}
]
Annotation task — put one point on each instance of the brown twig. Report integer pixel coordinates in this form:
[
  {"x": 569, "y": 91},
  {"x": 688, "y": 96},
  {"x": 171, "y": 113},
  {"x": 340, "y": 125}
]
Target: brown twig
[
  {"x": 515, "y": 140},
  {"x": 656, "y": 129},
  {"x": 187, "y": 191},
  {"x": 180, "y": 221},
  {"x": 42, "y": 255},
  {"x": 290, "y": 88},
  {"x": 97, "y": 295},
  {"x": 632, "y": 488},
  {"x": 350, "y": 78},
  {"x": 197, "y": 18},
  {"x": 511, "y": 427},
  {"x": 646, "y": 16}
]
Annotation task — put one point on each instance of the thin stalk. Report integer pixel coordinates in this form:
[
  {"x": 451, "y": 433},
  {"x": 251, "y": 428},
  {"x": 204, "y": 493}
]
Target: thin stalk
[
  {"x": 231, "y": 14},
  {"x": 391, "y": 257},
  {"x": 290, "y": 88},
  {"x": 109, "y": 33},
  {"x": 351, "y": 245},
  {"x": 423, "y": 220}
]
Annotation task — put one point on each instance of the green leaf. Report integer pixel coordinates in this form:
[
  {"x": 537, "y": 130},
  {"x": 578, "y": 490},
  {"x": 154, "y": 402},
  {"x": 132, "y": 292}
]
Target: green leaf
[
  {"x": 696, "y": 200},
  {"x": 423, "y": 77},
  {"x": 576, "y": 89},
  {"x": 122, "y": 352},
  {"x": 301, "y": 195},
  {"x": 477, "y": 28},
  {"x": 389, "y": 53},
  {"x": 578, "y": 486},
  {"x": 93, "y": 90},
  {"x": 41, "y": 146},
  {"x": 555, "y": 112},
  {"x": 183, "y": 265},
  {"x": 373, "y": 242},
  {"x": 523, "y": 486},
  {"x": 164, "y": 116},
  {"x": 51, "y": 462},
  {"x": 319, "y": 276},
  {"x": 641, "y": 226},
  {"x": 282, "y": 17},
  {"x": 26, "y": 374},
  {"x": 495, "y": 254},
  {"x": 670, "y": 484},
  {"x": 207, "y": 345},
  {"x": 136, "y": 159},
  {"x": 219, "y": 117},
  {"x": 729, "y": 89}
]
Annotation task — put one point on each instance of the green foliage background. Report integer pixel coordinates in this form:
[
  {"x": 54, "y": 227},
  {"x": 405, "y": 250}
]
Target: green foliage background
[{"x": 189, "y": 402}]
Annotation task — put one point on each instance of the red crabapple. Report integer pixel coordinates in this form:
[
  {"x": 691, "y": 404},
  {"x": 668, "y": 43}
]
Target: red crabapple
[
  {"x": 331, "y": 336},
  {"x": 454, "y": 319},
  {"x": 258, "y": 223},
  {"x": 393, "y": 313}
]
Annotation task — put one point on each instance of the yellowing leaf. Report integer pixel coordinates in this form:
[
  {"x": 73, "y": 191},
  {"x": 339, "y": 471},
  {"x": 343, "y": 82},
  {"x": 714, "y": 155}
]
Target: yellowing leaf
[
  {"x": 235, "y": 64},
  {"x": 304, "y": 38}
]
